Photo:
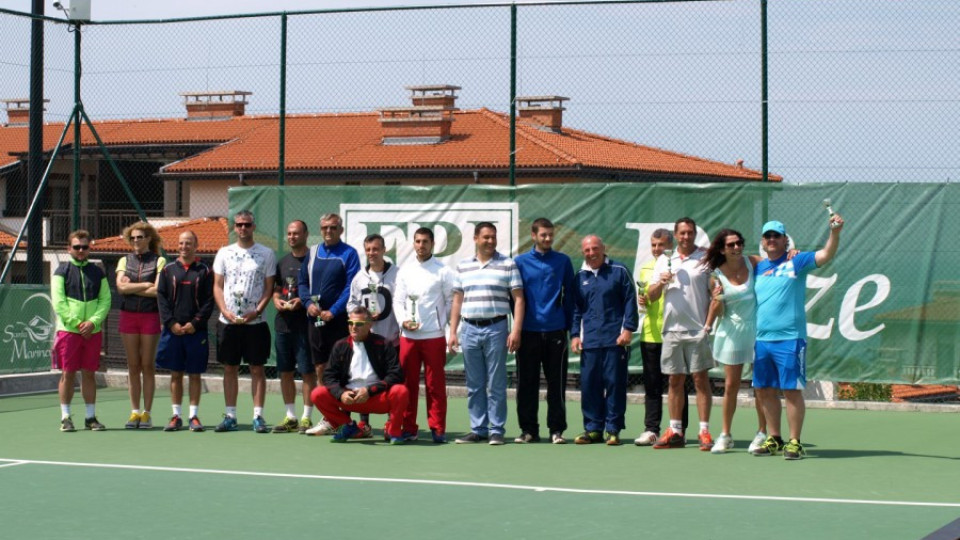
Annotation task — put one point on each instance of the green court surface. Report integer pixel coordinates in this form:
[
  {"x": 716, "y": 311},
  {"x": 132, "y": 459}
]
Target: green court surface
[{"x": 867, "y": 475}]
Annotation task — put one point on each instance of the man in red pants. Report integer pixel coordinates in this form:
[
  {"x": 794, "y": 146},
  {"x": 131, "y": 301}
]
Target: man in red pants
[{"x": 363, "y": 375}]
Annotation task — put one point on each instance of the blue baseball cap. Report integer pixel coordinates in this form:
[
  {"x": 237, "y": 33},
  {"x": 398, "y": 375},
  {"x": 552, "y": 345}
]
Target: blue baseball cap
[{"x": 774, "y": 226}]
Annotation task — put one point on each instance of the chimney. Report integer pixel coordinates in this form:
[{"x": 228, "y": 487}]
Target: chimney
[
  {"x": 215, "y": 105},
  {"x": 542, "y": 112},
  {"x": 18, "y": 111},
  {"x": 427, "y": 121}
]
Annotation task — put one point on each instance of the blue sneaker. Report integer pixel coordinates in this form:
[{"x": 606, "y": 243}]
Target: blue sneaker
[
  {"x": 229, "y": 424},
  {"x": 345, "y": 432},
  {"x": 438, "y": 438},
  {"x": 410, "y": 436},
  {"x": 397, "y": 441},
  {"x": 260, "y": 425}
]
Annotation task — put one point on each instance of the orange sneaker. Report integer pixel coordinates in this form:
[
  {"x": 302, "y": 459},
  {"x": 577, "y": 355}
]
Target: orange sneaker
[
  {"x": 706, "y": 441},
  {"x": 669, "y": 439}
]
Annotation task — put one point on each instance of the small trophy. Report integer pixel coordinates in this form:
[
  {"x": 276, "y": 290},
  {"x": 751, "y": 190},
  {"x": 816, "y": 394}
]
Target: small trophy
[
  {"x": 828, "y": 205},
  {"x": 413, "y": 308},
  {"x": 641, "y": 286},
  {"x": 238, "y": 298},
  {"x": 373, "y": 304},
  {"x": 291, "y": 286},
  {"x": 669, "y": 254},
  {"x": 316, "y": 300}
]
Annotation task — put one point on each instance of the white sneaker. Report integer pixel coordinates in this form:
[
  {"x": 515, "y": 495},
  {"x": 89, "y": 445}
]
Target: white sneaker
[
  {"x": 647, "y": 438},
  {"x": 724, "y": 443},
  {"x": 322, "y": 428},
  {"x": 757, "y": 442}
]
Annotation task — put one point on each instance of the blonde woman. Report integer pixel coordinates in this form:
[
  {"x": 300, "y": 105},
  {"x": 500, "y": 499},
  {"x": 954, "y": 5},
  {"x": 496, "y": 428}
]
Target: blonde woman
[{"x": 137, "y": 275}]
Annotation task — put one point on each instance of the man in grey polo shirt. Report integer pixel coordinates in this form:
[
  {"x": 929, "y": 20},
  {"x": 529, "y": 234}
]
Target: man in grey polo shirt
[{"x": 483, "y": 287}]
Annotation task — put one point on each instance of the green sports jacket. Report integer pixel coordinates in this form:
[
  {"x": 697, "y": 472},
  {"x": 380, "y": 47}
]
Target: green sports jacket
[{"x": 80, "y": 292}]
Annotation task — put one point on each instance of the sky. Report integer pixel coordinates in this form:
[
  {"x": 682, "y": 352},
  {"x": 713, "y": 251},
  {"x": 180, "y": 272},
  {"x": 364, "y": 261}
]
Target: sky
[{"x": 860, "y": 90}]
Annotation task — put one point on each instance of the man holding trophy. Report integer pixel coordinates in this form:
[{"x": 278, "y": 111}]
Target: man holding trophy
[
  {"x": 422, "y": 303},
  {"x": 243, "y": 275}
]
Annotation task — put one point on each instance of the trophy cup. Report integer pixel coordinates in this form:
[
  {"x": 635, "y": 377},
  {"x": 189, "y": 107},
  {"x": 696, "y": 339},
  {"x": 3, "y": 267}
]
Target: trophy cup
[
  {"x": 668, "y": 253},
  {"x": 829, "y": 207},
  {"x": 373, "y": 304},
  {"x": 316, "y": 300},
  {"x": 413, "y": 308},
  {"x": 641, "y": 285},
  {"x": 238, "y": 314},
  {"x": 291, "y": 286}
]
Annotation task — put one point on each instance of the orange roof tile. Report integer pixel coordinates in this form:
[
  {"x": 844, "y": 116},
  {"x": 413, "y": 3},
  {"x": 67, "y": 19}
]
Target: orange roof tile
[
  {"x": 907, "y": 392},
  {"x": 212, "y": 234}
]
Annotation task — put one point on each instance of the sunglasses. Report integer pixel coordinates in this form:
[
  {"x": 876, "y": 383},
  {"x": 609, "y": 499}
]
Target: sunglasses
[
  {"x": 357, "y": 324},
  {"x": 770, "y": 235},
  {"x": 80, "y": 247},
  {"x": 330, "y": 228},
  {"x": 243, "y": 225},
  {"x": 138, "y": 237},
  {"x": 738, "y": 243}
]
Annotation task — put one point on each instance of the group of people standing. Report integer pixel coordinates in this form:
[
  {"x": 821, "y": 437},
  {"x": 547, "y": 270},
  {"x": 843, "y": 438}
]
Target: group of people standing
[{"x": 359, "y": 337}]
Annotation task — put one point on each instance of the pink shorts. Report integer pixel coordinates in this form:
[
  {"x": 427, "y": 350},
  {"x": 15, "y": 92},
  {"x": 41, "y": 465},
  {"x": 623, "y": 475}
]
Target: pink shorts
[
  {"x": 132, "y": 322},
  {"x": 73, "y": 352}
]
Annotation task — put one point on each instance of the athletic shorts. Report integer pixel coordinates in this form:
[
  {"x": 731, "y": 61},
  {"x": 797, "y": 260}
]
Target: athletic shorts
[
  {"x": 780, "y": 364},
  {"x": 187, "y": 353},
  {"x": 249, "y": 343},
  {"x": 73, "y": 352},
  {"x": 685, "y": 353},
  {"x": 293, "y": 352},
  {"x": 146, "y": 323},
  {"x": 323, "y": 337}
]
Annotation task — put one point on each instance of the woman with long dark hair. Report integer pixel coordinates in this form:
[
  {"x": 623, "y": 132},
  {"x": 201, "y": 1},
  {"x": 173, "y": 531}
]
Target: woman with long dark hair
[
  {"x": 734, "y": 308},
  {"x": 137, "y": 275}
]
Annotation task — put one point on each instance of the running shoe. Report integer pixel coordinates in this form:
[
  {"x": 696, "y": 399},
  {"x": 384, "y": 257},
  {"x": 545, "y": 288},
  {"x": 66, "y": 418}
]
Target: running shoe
[
  {"x": 793, "y": 450},
  {"x": 260, "y": 425},
  {"x": 195, "y": 424},
  {"x": 145, "y": 421},
  {"x": 496, "y": 439},
  {"x": 438, "y": 437},
  {"x": 366, "y": 431},
  {"x": 133, "y": 422},
  {"x": 289, "y": 425},
  {"x": 66, "y": 424},
  {"x": 304, "y": 425},
  {"x": 469, "y": 438},
  {"x": 345, "y": 432},
  {"x": 706, "y": 441},
  {"x": 557, "y": 438},
  {"x": 174, "y": 424},
  {"x": 93, "y": 424},
  {"x": 724, "y": 443},
  {"x": 526, "y": 437},
  {"x": 770, "y": 447},
  {"x": 322, "y": 428},
  {"x": 397, "y": 441},
  {"x": 669, "y": 439},
  {"x": 647, "y": 438},
  {"x": 589, "y": 437},
  {"x": 613, "y": 438},
  {"x": 229, "y": 424},
  {"x": 410, "y": 436},
  {"x": 757, "y": 441}
]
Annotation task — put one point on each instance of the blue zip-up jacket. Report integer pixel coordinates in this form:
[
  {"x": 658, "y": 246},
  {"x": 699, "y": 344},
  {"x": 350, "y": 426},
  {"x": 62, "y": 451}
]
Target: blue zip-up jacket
[
  {"x": 328, "y": 271},
  {"x": 606, "y": 304},
  {"x": 548, "y": 287}
]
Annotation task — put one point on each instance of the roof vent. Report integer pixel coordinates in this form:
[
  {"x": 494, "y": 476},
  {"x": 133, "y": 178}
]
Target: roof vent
[
  {"x": 18, "y": 111},
  {"x": 543, "y": 112},
  {"x": 438, "y": 95},
  {"x": 215, "y": 105},
  {"x": 427, "y": 121}
]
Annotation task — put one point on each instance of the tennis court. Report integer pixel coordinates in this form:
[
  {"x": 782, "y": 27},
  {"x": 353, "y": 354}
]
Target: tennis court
[{"x": 868, "y": 474}]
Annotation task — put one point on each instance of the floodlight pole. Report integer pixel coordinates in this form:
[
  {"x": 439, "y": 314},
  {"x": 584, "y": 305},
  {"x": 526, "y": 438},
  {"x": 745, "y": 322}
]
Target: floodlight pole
[
  {"x": 75, "y": 218},
  {"x": 513, "y": 95},
  {"x": 35, "y": 176}
]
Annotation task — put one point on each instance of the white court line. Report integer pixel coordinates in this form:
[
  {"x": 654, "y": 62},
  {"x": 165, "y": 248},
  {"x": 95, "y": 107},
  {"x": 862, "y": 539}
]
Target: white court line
[
  {"x": 12, "y": 463},
  {"x": 538, "y": 489}
]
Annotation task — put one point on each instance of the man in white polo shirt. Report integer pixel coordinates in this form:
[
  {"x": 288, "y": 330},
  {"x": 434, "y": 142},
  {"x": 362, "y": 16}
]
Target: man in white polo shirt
[{"x": 484, "y": 285}]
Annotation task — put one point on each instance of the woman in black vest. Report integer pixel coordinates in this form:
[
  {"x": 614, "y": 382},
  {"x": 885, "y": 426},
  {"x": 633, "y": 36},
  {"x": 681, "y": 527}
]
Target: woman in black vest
[{"x": 137, "y": 275}]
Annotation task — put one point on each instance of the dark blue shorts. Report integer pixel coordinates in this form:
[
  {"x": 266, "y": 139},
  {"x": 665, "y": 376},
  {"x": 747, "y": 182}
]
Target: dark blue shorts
[
  {"x": 293, "y": 352},
  {"x": 187, "y": 353}
]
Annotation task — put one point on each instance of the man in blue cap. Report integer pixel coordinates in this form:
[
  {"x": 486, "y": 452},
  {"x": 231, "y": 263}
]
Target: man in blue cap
[{"x": 781, "y": 345}]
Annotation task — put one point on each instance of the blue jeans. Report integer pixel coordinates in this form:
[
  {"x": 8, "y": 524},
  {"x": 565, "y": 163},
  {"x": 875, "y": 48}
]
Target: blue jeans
[
  {"x": 603, "y": 388},
  {"x": 485, "y": 364},
  {"x": 293, "y": 352}
]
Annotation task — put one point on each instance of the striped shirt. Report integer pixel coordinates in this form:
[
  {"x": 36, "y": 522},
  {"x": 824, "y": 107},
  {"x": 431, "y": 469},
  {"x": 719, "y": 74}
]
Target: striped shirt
[{"x": 486, "y": 287}]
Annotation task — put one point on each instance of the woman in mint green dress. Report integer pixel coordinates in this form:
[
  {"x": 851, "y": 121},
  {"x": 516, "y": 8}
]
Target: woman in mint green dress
[{"x": 733, "y": 319}]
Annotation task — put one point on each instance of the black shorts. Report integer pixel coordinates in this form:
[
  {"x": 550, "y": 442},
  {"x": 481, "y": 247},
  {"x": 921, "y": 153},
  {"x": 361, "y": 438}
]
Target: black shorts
[
  {"x": 323, "y": 337},
  {"x": 247, "y": 342}
]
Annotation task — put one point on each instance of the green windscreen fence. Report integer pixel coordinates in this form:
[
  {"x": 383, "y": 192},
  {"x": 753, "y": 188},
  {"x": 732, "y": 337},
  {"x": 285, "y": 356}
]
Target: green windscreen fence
[
  {"x": 885, "y": 310},
  {"x": 28, "y": 325}
]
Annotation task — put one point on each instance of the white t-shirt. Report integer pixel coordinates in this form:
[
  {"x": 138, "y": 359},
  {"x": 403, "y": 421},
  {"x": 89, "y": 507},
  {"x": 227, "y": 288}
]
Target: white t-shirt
[
  {"x": 244, "y": 272},
  {"x": 361, "y": 371},
  {"x": 687, "y": 296}
]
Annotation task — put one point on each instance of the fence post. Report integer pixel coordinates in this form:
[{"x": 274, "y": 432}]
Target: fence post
[
  {"x": 765, "y": 149},
  {"x": 75, "y": 216},
  {"x": 34, "y": 224},
  {"x": 513, "y": 95}
]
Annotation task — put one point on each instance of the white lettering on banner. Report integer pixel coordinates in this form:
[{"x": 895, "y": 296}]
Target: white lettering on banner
[
  {"x": 30, "y": 340},
  {"x": 452, "y": 225},
  {"x": 849, "y": 307},
  {"x": 821, "y": 285}
]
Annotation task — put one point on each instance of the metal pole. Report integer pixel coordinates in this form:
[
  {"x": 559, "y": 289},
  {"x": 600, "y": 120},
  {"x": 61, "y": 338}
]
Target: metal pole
[
  {"x": 763, "y": 92},
  {"x": 282, "y": 165},
  {"x": 75, "y": 221},
  {"x": 113, "y": 164},
  {"x": 34, "y": 224},
  {"x": 513, "y": 94}
]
